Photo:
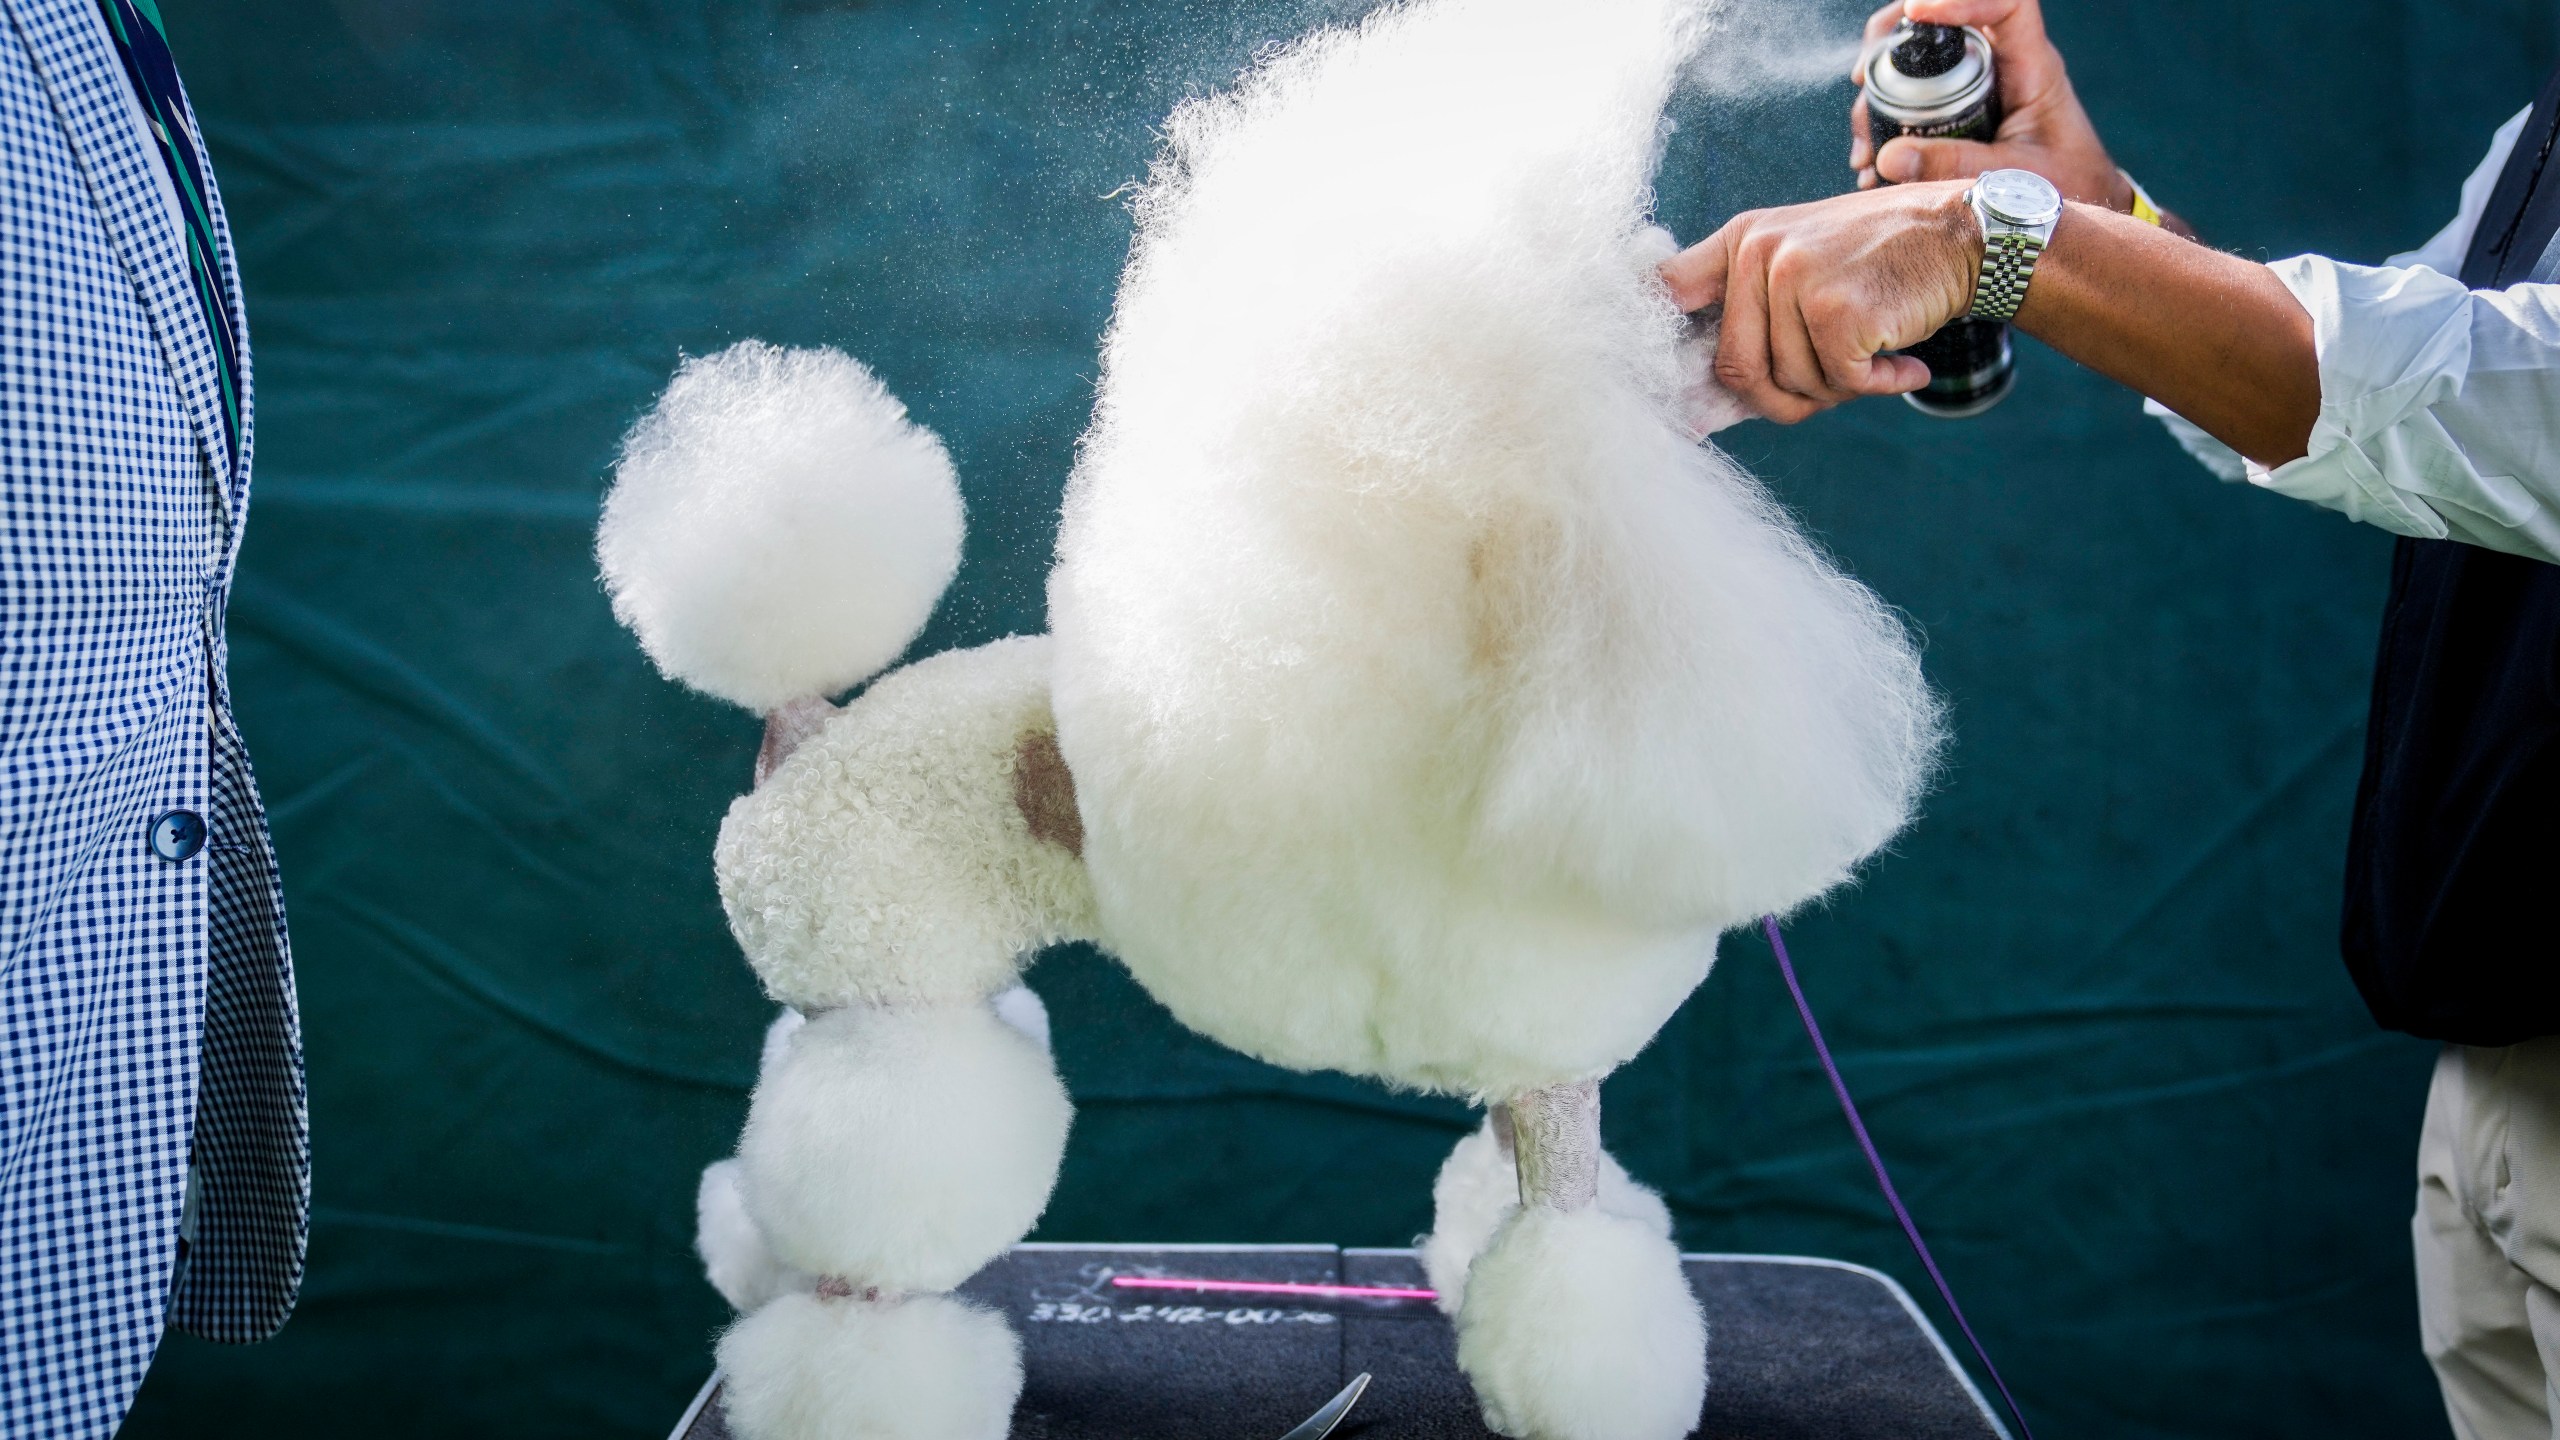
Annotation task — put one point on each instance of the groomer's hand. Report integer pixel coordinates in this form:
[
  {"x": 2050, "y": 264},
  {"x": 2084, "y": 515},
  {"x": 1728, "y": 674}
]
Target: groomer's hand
[
  {"x": 1812, "y": 293},
  {"x": 2042, "y": 126}
]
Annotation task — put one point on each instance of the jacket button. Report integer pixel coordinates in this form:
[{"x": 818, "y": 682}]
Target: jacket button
[{"x": 177, "y": 835}]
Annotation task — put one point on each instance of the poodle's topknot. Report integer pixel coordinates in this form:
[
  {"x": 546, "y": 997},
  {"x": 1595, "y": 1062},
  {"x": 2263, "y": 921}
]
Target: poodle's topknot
[{"x": 777, "y": 526}]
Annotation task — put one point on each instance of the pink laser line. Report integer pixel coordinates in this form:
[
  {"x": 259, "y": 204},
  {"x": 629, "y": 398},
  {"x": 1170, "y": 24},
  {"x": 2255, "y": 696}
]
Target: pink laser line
[{"x": 1276, "y": 1287}]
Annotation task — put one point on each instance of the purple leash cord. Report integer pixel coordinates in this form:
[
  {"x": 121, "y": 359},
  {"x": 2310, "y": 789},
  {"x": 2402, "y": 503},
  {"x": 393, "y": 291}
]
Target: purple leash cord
[{"x": 1884, "y": 1182}]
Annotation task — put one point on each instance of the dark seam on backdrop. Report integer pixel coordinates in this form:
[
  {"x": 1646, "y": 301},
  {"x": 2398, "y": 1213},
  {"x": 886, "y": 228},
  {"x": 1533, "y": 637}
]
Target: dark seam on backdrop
[{"x": 455, "y": 975}]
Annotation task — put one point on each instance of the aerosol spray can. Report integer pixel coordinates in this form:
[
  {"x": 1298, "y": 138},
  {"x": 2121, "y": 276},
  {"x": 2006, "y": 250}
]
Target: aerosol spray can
[{"x": 1938, "y": 81}]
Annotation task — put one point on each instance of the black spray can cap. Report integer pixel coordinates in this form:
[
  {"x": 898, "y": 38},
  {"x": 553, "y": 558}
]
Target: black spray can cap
[{"x": 1932, "y": 80}]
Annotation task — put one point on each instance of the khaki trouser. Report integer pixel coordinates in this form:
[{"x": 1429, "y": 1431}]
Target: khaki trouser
[{"x": 2488, "y": 1238}]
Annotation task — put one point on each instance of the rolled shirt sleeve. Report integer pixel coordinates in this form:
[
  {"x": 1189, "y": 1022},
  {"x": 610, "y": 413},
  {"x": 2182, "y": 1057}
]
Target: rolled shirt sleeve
[{"x": 2437, "y": 405}]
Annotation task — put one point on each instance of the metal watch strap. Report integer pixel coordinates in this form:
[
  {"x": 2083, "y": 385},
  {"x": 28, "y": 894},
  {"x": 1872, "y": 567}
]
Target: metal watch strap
[{"x": 2008, "y": 263}]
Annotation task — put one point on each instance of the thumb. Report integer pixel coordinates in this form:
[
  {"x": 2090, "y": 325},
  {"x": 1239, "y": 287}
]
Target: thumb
[
  {"x": 1885, "y": 374},
  {"x": 1905, "y": 158},
  {"x": 1696, "y": 275}
]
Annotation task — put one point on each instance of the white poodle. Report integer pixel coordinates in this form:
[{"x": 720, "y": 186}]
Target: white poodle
[{"x": 1421, "y": 702}]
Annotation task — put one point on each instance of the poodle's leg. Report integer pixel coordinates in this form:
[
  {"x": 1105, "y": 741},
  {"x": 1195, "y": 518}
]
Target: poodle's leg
[
  {"x": 1577, "y": 1322},
  {"x": 1479, "y": 1186},
  {"x": 1555, "y": 1133},
  {"x": 787, "y": 726}
]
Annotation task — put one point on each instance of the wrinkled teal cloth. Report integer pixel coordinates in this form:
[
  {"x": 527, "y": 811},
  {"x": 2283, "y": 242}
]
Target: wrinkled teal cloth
[{"x": 2092, "y": 1003}]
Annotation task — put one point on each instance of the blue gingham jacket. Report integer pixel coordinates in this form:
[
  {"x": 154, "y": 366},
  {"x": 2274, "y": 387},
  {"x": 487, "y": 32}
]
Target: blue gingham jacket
[{"x": 150, "y": 1057}]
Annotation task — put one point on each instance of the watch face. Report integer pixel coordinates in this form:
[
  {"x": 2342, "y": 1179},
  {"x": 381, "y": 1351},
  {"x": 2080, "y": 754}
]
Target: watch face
[{"x": 2020, "y": 197}]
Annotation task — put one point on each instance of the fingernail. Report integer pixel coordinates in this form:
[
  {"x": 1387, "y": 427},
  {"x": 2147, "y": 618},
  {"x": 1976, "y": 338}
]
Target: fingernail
[{"x": 1898, "y": 165}]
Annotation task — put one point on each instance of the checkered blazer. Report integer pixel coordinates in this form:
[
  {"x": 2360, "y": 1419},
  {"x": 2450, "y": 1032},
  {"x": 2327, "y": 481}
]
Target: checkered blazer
[{"x": 150, "y": 1056}]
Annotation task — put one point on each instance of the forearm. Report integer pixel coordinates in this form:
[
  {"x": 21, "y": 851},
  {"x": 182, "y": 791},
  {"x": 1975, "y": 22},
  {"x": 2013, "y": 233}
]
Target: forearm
[
  {"x": 2214, "y": 337},
  {"x": 2124, "y": 199}
]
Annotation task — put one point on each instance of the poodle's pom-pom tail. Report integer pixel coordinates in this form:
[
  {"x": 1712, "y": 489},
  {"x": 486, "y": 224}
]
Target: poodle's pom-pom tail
[
  {"x": 1581, "y": 1326},
  {"x": 778, "y": 527},
  {"x": 927, "y": 1367}
]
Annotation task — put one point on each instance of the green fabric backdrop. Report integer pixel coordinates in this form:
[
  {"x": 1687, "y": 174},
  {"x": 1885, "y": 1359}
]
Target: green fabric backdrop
[{"x": 2093, "y": 1002}]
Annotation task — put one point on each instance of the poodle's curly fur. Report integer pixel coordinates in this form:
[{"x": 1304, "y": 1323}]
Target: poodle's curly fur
[
  {"x": 1433, "y": 699},
  {"x": 886, "y": 861}
]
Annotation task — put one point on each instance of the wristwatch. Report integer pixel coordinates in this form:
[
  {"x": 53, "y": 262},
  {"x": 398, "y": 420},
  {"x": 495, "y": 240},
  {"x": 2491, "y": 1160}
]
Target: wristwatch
[{"x": 2018, "y": 210}]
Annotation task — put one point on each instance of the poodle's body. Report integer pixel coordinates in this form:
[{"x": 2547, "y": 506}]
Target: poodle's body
[
  {"x": 1421, "y": 702},
  {"x": 1433, "y": 699}
]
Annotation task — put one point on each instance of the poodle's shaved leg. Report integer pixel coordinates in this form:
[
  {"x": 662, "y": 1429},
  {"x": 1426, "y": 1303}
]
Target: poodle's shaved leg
[
  {"x": 787, "y": 727},
  {"x": 1555, "y": 1138}
]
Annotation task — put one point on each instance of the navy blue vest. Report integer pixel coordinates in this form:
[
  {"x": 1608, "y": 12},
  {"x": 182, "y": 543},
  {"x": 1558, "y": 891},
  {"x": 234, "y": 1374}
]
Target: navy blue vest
[{"x": 2448, "y": 931}]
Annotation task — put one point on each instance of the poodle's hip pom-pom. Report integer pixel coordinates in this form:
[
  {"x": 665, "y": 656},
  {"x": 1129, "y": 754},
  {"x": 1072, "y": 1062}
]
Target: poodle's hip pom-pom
[
  {"x": 927, "y": 1367},
  {"x": 778, "y": 527}
]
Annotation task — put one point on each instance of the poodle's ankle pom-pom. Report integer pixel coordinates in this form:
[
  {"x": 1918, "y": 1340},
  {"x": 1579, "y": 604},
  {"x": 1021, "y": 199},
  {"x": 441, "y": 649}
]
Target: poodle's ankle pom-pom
[
  {"x": 778, "y": 527},
  {"x": 1478, "y": 1188},
  {"x": 1628, "y": 1198},
  {"x": 927, "y": 1367},
  {"x": 903, "y": 1148},
  {"x": 734, "y": 1255},
  {"x": 1581, "y": 1326}
]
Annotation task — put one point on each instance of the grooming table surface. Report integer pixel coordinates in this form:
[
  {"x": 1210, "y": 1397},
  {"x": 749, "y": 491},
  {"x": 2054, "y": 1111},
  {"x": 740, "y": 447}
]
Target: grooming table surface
[{"x": 1796, "y": 1350}]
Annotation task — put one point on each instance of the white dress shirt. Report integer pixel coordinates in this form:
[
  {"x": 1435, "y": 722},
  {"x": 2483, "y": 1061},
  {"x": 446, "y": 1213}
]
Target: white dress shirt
[{"x": 2439, "y": 406}]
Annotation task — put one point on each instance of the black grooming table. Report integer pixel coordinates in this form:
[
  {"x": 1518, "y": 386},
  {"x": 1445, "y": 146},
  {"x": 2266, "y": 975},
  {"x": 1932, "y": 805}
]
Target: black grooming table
[{"x": 1796, "y": 1350}]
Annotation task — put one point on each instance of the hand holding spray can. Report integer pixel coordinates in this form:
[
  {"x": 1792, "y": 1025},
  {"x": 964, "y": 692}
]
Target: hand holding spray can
[{"x": 1938, "y": 81}]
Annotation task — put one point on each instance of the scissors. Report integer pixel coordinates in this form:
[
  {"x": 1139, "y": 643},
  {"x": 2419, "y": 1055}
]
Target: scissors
[{"x": 1321, "y": 1423}]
